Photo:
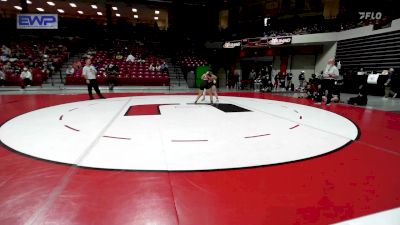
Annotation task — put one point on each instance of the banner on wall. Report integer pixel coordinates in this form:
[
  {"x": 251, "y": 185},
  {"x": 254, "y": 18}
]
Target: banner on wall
[
  {"x": 37, "y": 21},
  {"x": 266, "y": 41},
  {"x": 232, "y": 44},
  {"x": 280, "y": 41}
]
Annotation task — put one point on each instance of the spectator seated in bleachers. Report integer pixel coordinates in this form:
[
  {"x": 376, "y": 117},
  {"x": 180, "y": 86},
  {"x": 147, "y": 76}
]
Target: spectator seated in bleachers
[
  {"x": 137, "y": 72},
  {"x": 140, "y": 59},
  {"x": 7, "y": 67},
  {"x": 91, "y": 52},
  {"x": 152, "y": 67},
  {"x": 164, "y": 67},
  {"x": 86, "y": 56},
  {"x": 37, "y": 54},
  {"x": 12, "y": 59},
  {"x": 77, "y": 66},
  {"x": 130, "y": 58},
  {"x": 70, "y": 71},
  {"x": 2, "y": 78},
  {"x": 26, "y": 78},
  {"x": 118, "y": 56},
  {"x": 5, "y": 53},
  {"x": 158, "y": 67},
  {"x": 312, "y": 25}
]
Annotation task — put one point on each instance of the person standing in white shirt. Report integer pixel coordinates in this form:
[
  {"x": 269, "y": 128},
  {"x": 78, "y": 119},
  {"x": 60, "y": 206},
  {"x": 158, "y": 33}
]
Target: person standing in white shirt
[
  {"x": 89, "y": 72},
  {"x": 330, "y": 74},
  {"x": 26, "y": 78},
  {"x": 164, "y": 67}
]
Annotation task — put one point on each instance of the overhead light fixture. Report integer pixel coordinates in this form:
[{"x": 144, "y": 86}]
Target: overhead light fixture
[
  {"x": 94, "y": 6},
  {"x": 157, "y": 12},
  {"x": 28, "y": 2},
  {"x": 80, "y": 12},
  {"x": 156, "y": 17},
  {"x": 3, "y": 0},
  {"x": 60, "y": 10},
  {"x": 18, "y": 7},
  {"x": 134, "y": 10},
  {"x": 51, "y": 3},
  {"x": 114, "y": 8},
  {"x": 99, "y": 13},
  {"x": 117, "y": 14},
  {"x": 40, "y": 9},
  {"x": 73, "y": 5},
  {"x": 135, "y": 16}
]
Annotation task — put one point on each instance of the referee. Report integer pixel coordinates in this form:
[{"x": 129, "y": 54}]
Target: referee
[
  {"x": 331, "y": 73},
  {"x": 89, "y": 72}
]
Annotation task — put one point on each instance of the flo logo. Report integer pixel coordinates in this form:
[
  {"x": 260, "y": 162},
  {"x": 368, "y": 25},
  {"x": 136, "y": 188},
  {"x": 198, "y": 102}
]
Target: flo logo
[{"x": 370, "y": 15}]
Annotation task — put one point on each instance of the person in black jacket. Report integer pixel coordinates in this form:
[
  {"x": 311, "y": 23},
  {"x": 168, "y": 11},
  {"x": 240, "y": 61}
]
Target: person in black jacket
[
  {"x": 302, "y": 81},
  {"x": 391, "y": 85},
  {"x": 112, "y": 71},
  {"x": 361, "y": 98},
  {"x": 289, "y": 77},
  {"x": 312, "y": 87}
]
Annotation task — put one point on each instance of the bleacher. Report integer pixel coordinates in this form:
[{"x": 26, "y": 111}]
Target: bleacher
[
  {"x": 37, "y": 56},
  {"x": 130, "y": 73},
  {"x": 189, "y": 63}
]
